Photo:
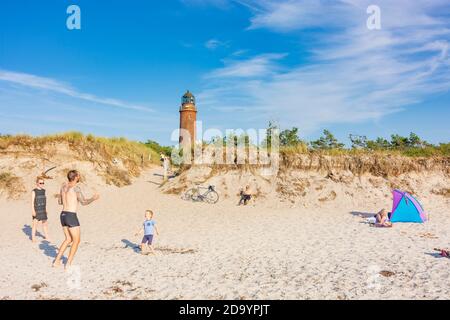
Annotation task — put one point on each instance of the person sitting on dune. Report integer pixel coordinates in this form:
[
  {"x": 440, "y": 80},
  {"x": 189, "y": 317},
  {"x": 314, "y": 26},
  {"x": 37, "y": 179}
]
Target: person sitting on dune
[
  {"x": 246, "y": 195},
  {"x": 382, "y": 219}
]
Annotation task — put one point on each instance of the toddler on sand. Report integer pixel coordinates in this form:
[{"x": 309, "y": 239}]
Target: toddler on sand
[{"x": 149, "y": 229}]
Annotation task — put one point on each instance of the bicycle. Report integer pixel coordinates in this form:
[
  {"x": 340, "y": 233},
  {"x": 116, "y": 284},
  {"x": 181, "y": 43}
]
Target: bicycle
[{"x": 209, "y": 196}]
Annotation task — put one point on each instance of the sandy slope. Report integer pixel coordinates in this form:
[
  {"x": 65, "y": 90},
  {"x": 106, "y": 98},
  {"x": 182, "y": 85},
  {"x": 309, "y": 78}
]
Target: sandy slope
[{"x": 264, "y": 251}]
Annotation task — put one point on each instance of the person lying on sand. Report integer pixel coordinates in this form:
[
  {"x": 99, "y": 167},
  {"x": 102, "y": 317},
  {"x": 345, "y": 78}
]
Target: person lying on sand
[
  {"x": 443, "y": 252},
  {"x": 70, "y": 195},
  {"x": 246, "y": 195},
  {"x": 149, "y": 229},
  {"x": 39, "y": 209},
  {"x": 382, "y": 219}
]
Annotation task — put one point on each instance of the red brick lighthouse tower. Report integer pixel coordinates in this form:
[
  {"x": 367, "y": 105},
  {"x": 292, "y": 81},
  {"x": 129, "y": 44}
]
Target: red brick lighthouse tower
[{"x": 188, "y": 117}]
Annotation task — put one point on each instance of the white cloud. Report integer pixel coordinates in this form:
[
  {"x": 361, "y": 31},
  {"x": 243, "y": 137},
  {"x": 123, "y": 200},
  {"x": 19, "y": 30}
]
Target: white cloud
[
  {"x": 51, "y": 85},
  {"x": 213, "y": 44},
  {"x": 295, "y": 14},
  {"x": 287, "y": 15},
  {"x": 354, "y": 74},
  {"x": 259, "y": 66},
  {"x": 239, "y": 53}
]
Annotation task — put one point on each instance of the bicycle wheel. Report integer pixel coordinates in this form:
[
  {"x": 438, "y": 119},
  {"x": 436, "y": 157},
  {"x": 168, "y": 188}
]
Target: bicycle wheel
[
  {"x": 211, "y": 197},
  {"x": 190, "y": 195}
]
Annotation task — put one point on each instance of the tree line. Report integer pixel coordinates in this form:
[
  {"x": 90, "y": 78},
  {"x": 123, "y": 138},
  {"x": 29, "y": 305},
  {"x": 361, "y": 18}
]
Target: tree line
[
  {"x": 412, "y": 144},
  {"x": 289, "y": 138}
]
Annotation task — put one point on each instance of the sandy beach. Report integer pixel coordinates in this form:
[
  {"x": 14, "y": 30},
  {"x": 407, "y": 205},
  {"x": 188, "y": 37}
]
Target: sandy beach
[
  {"x": 330, "y": 118},
  {"x": 262, "y": 251}
]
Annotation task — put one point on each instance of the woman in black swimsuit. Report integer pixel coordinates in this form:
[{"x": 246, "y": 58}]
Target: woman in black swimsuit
[{"x": 39, "y": 209}]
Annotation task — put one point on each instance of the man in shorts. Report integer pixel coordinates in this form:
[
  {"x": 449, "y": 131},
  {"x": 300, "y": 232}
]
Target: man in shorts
[{"x": 70, "y": 196}]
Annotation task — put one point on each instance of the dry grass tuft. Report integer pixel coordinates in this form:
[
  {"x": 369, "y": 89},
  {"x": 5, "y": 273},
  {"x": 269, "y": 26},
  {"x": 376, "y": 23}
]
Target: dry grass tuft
[
  {"x": 117, "y": 177},
  {"x": 167, "y": 250},
  {"x": 330, "y": 197},
  {"x": 11, "y": 185},
  {"x": 37, "y": 287},
  {"x": 387, "y": 273},
  {"x": 445, "y": 192},
  {"x": 291, "y": 188}
]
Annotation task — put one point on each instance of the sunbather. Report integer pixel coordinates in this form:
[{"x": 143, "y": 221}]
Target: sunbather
[
  {"x": 443, "y": 252},
  {"x": 382, "y": 219}
]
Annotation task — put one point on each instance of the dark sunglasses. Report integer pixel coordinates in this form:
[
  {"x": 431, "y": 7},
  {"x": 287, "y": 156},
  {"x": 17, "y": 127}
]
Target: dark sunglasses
[{"x": 42, "y": 183}]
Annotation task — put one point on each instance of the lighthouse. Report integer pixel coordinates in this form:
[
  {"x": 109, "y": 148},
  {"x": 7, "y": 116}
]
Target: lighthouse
[{"x": 188, "y": 117}]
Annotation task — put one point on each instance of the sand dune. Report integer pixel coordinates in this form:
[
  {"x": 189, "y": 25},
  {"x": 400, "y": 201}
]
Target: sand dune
[{"x": 270, "y": 249}]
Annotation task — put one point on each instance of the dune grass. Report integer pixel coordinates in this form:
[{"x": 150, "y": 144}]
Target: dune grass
[
  {"x": 441, "y": 150},
  {"x": 107, "y": 147},
  {"x": 120, "y": 157},
  {"x": 112, "y": 147},
  {"x": 11, "y": 185}
]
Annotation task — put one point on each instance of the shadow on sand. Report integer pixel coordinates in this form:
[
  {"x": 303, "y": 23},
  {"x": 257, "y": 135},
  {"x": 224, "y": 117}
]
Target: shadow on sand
[
  {"x": 364, "y": 215},
  {"x": 27, "y": 230},
  {"x": 170, "y": 176},
  {"x": 154, "y": 182},
  {"x": 48, "y": 249},
  {"x": 160, "y": 183},
  {"x": 435, "y": 255},
  {"x": 128, "y": 244}
]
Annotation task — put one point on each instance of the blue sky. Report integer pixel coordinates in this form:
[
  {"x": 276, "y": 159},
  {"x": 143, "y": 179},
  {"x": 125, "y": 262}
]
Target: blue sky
[{"x": 305, "y": 63}]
